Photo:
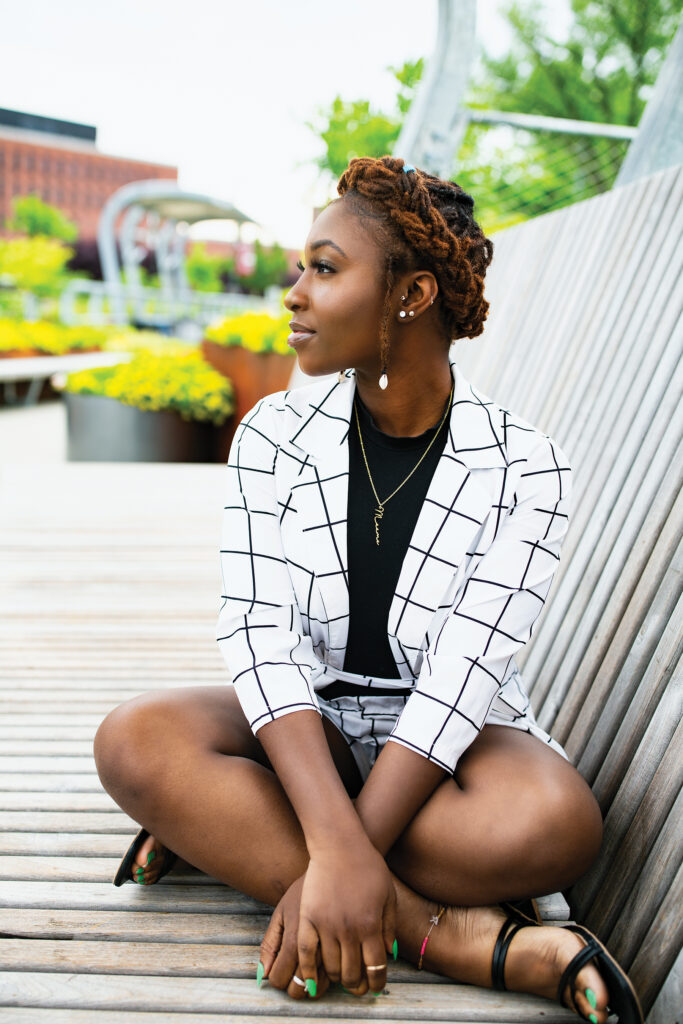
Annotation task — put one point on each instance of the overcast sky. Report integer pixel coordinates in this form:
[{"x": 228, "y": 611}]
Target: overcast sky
[{"x": 219, "y": 88}]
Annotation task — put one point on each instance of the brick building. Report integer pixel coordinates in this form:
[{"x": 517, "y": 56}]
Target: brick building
[{"x": 59, "y": 162}]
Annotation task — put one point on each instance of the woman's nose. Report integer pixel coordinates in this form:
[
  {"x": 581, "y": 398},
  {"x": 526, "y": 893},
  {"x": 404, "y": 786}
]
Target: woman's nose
[{"x": 295, "y": 297}]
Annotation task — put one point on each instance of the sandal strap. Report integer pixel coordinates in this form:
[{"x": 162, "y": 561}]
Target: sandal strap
[
  {"x": 500, "y": 952},
  {"x": 588, "y": 952}
]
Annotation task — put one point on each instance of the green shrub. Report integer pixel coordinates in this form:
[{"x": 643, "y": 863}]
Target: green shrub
[{"x": 182, "y": 383}]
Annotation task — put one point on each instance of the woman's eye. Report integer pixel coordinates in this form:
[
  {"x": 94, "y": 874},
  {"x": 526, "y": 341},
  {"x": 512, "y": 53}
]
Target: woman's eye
[{"x": 317, "y": 265}]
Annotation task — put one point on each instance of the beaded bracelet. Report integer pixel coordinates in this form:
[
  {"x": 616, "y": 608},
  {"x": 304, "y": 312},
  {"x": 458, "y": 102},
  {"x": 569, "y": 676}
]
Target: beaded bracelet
[{"x": 434, "y": 921}]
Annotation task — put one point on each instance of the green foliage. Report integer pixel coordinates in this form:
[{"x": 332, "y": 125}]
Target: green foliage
[
  {"x": 36, "y": 264},
  {"x": 205, "y": 272},
  {"x": 602, "y": 72},
  {"x": 32, "y": 217},
  {"x": 183, "y": 383},
  {"x": 270, "y": 268},
  {"x": 352, "y": 128},
  {"x": 258, "y": 332}
]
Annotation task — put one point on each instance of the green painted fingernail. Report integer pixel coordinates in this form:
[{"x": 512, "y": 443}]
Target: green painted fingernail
[
  {"x": 591, "y": 997},
  {"x": 394, "y": 948},
  {"x": 311, "y": 986},
  {"x": 376, "y": 993},
  {"x": 260, "y": 971},
  {"x": 151, "y": 856},
  {"x": 592, "y": 1018}
]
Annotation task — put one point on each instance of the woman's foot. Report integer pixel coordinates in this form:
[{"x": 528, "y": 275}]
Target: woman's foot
[
  {"x": 148, "y": 861},
  {"x": 461, "y": 947}
]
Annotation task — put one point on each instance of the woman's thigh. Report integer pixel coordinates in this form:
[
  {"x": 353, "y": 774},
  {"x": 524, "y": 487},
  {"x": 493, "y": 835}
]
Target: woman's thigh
[
  {"x": 149, "y": 732},
  {"x": 516, "y": 820}
]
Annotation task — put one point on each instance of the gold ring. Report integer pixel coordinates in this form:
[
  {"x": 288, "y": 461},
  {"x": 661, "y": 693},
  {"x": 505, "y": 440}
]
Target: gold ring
[
  {"x": 379, "y": 967},
  {"x": 299, "y": 981}
]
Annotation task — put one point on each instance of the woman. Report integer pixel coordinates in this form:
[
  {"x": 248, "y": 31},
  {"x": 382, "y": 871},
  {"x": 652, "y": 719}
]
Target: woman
[{"x": 375, "y": 771}]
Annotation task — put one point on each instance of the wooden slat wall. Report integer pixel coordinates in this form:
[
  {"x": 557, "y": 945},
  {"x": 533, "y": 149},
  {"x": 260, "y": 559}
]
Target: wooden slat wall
[
  {"x": 108, "y": 587},
  {"x": 585, "y": 340}
]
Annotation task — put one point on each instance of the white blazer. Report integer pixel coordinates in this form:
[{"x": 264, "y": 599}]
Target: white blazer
[{"x": 472, "y": 583}]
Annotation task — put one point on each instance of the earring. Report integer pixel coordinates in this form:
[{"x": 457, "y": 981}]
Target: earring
[
  {"x": 402, "y": 314},
  {"x": 384, "y": 380},
  {"x": 411, "y": 313},
  {"x": 342, "y": 376}
]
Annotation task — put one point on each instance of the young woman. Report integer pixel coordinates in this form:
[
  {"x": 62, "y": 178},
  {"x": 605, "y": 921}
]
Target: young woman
[{"x": 375, "y": 772}]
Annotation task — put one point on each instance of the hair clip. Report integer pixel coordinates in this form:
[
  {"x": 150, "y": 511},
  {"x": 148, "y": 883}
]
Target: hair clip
[{"x": 408, "y": 167}]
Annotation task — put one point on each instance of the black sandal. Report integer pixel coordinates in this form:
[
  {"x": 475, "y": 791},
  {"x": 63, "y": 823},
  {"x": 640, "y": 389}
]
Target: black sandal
[
  {"x": 623, "y": 999},
  {"x": 124, "y": 872}
]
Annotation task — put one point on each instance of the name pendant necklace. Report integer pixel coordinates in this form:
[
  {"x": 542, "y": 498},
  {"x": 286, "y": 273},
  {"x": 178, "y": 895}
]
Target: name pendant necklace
[{"x": 378, "y": 514}]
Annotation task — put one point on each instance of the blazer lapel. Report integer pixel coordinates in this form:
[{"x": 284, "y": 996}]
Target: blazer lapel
[
  {"x": 320, "y": 496},
  {"x": 458, "y": 502}
]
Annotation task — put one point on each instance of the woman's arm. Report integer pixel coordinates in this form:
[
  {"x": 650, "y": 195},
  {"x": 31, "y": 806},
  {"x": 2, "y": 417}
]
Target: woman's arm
[{"x": 347, "y": 897}]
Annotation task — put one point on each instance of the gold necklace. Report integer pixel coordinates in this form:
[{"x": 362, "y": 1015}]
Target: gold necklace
[{"x": 379, "y": 511}]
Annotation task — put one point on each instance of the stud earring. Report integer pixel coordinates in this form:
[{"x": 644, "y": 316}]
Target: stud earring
[
  {"x": 411, "y": 313},
  {"x": 402, "y": 314}
]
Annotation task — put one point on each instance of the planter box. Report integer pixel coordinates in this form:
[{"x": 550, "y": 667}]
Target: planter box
[
  {"x": 105, "y": 430},
  {"x": 253, "y": 374}
]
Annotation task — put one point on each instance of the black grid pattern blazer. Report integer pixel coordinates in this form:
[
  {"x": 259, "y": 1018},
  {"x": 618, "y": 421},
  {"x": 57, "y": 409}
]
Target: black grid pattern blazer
[{"x": 473, "y": 581}]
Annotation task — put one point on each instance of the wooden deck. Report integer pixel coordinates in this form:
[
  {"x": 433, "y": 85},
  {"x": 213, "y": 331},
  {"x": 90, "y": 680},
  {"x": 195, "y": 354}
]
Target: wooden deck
[{"x": 109, "y": 584}]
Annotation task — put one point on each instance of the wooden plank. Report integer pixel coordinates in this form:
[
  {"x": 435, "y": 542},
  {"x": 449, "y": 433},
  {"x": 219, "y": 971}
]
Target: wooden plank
[
  {"x": 201, "y": 960},
  {"x": 650, "y": 889},
  {"x": 55, "y": 782},
  {"x": 79, "y": 869},
  {"x": 65, "y": 844},
  {"x": 64, "y": 821},
  {"x": 56, "y": 801},
  {"x": 240, "y": 996},
  {"x": 165, "y": 896},
  {"x": 34, "y": 1015},
  {"x": 662, "y": 943},
  {"x": 642, "y": 804},
  {"x": 135, "y": 925},
  {"x": 59, "y": 765}
]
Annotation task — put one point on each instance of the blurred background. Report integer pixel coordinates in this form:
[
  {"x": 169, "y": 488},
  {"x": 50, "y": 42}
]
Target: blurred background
[{"x": 160, "y": 169}]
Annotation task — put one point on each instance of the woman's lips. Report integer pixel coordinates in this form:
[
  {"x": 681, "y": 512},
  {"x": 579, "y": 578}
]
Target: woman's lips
[{"x": 297, "y": 337}]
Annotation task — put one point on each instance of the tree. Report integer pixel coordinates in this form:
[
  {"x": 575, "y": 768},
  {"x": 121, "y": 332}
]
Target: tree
[
  {"x": 270, "y": 267},
  {"x": 352, "y": 128},
  {"x": 33, "y": 217},
  {"x": 204, "y": 272},
  {"x": 602, "y": 72}
]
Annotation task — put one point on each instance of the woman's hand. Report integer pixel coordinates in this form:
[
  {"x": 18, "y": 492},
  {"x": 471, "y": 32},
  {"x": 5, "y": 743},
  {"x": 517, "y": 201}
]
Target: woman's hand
[
  {"x": 347, "y": 916},
  {"x": 279, "y": 954}
]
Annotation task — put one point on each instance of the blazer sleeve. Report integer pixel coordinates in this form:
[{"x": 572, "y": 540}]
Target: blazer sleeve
[
  {"x": 259, "y": 631},
  {"x": 492, "y": 615}
]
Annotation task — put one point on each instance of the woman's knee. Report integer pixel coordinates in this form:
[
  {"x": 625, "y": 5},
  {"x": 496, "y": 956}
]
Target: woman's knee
[{"x": 132, "y": 739}]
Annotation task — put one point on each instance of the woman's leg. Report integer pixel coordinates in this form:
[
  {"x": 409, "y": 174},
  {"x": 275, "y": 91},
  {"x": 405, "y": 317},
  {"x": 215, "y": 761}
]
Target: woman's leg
[{"x": 185, "y": 764}]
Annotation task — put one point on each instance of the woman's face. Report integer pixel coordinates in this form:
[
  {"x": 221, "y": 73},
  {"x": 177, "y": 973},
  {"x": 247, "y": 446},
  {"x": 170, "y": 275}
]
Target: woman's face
[{"x": 337, "y": 302}]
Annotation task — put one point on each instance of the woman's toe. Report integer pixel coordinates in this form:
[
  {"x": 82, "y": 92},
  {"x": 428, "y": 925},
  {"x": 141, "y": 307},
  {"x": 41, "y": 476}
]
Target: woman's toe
[{"x": 147, "y": 861}]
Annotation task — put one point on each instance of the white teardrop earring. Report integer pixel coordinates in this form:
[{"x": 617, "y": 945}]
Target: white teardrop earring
[
  {"x": 384, "y": 380},
  {"x": 342, "y": 376}
]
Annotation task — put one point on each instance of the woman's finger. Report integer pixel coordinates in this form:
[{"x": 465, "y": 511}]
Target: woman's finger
[
  {"x": 389, "y": 929},
  {"x": 297, "y": 986},
  {"x": 352, "y": 974},
  {"x": 330, "y": 957},
  {"x": 375, "y": 961},
  {"x": 270, "y": 946},
  {"x": 307, "y": 947},
  {"x": 285, "y": 963}
]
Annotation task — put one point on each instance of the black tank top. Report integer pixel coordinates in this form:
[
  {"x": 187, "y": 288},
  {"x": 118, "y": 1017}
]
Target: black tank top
[{"x": 374, "y": 569}]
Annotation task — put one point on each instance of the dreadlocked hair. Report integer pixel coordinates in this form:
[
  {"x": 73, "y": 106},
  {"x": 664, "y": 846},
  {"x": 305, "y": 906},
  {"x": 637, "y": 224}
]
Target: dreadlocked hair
[{"x": 424, "y": 223}]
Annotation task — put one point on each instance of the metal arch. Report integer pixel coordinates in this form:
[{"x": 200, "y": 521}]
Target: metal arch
[
  {"x": 437, "y": 119},
  {"x": 171, "y": 204}
]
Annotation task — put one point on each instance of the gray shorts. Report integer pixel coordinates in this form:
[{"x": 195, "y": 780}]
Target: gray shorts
[{"x": 367, "y": 722}]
